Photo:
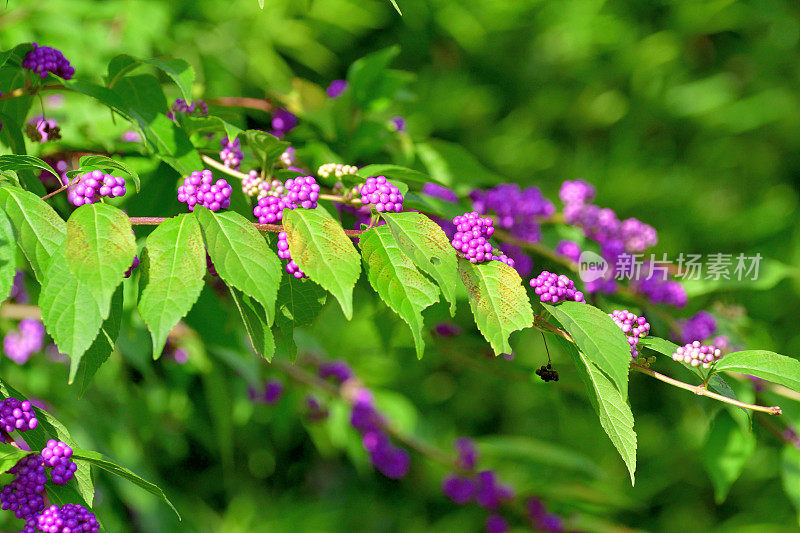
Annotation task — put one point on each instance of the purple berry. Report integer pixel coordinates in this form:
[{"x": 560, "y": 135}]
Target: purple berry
[
  {"x": 44, "y": 59},
  {"x": 697, "y": 328},
  {"x": 23, "y": 342},
  {"x": 552, "y": 288},
  {"x": 576, "y": 192},
  {"x": 459, "y": 489},
  {"x": 489, "y": 493},
  {"x": 336, "y": 88},
  {"x": 134, "y": 265},
  {"x": 282, "y": 122},
  {"x": 440, "y": 191},
  {"x": 181, "y": 107},
  {"x": 283, "y": 253},
  {"x": 197, "y": 189},
  {"x": 518, "y": 210},
  {"x": 339, "y": 371},
  {"x": 570, "y": 250},
  {"x": 381, "y": 194},
  {"x": 467, "y": 454},
  {"x": 57, "y": 455},
  {"x": 496, "y": 524}
]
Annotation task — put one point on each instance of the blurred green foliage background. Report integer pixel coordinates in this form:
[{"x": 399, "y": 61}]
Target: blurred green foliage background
[{"x": 683, "y": 113}]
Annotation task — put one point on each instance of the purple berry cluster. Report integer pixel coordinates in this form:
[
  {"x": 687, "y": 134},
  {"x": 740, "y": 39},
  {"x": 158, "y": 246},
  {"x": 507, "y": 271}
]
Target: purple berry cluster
[
  {"x": 27, "y": 339},
  {"x": 569, "y": 249},
  {"x": 336, "y": 169},
  {"x": 658, "y": 288},
  {"x": 517, "y": 210},
  {"x": 697, "y": 354},
  {"x": 231, "y": 153},
  {"x": 634, "y": 327},
  {"x": 440, "y": 191},
  {"x": 94, "y": 185},
  {"x": 390, "y": 460},
  {"x": 471, "y": 237},
  {"x": 576, "y": 192},
  {"x": 70, "y": 518},
  {"x": 270, "y": 394},
  {"x": 314, "y": 410},
  {"x": 57, "y": 455},
  {"x": 282, "y": 123},
  {"x": 336, "y": 371},
  {"x": 134, "y": 265},
  {"x": 19, "y": 293},
  {"x": 254, "y": 185},
  {"x": 42, "y": 130},
  {"x": 552, "y": 288},
  {"x": 541, "y": 519},
  {"x": 503, "y": 258},
  {"x": 283, "y": 253},
  {"x": 180, "y": 106},
  {"x": 381, "y": 194},
  {"x": 269, "y": 209},
  {"x": 336, "y": 88},
  {"x": 302, "y": 191},
  {"x": 482, "y": 487},
  {"x": 16, "y": 415},
  {"x": 198, "y": 190},
  {"x": 44, "y": 59},
  {"x": 288, "y": 157},
  {"x": 24, "y": 495},
  {"x": 697, "y": 328}
]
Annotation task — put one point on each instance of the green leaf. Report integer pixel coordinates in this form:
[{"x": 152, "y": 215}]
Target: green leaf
[
  {"x": 367, "y": 75},
  {"x": 70, "y": 310},
  {"x": 770, "y": 273},
  {"x": 394, "y": 4},
  {"x": 50, "y": 428},
  {"x": 790, "y": 475},
  {"x": 321, "y": 249},
  {"x": 99, "y": 249},
  {"x": 266, "y": 147},
  {"x": 300, "y": 300},
  {"x": 765, "y": 365},
  {"x": 395, "y": 172},
  {"x": 39, "y": 230},
  {"x": 452, "y": 164},
  {"x": 208, "y": 123},
  {"x": 659, "y": 345},
  {"x": 727, "y": 449},
  {"x": 84, "y": 368},
  {"x": 8, "y": 249},
  {"x": 179, "y": 70},
  {"x": 394, "y": 277},
  {"x": 612, "y": 408},
  {"x": 18, "y": 163},
  {"x": 101, "y": 162},
  {"x": 104, "y": 463},
  {"x": 426, "y": 244},
  {"x": 253, "y": 319},
  {"x": 241, "y": 256},
  {"x": 497, "y": 299},
  {"x": 598, "y": 338},
  {"x": 261, "y": 4},
  {"x": 10, "y": 455},
  {"x": 176, "y": 266}
]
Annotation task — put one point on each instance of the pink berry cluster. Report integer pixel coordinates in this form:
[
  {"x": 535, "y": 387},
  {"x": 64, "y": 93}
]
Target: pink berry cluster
[
  {"x": 16, "y": 415},
  {"x": 197, "y": 189},
  {"x": 697, "y": 354},
  {"x": 634, "y": 327},
  {"x": 283, "y": 253},
  {"x": 27, "y": 339},
  {"x": 69, "y": 518},
  {"x": 231, "y": 153},
  {"x": 381, "y": 194},
  {"x": 254, "y": 185},
  {"x": 57, "y": 455},
  {"x": 44, "y": 59},
  {"x": 471, "y": 237},
  {"x": 94, "y": 185},
  {"x": 552, "y": 288}
]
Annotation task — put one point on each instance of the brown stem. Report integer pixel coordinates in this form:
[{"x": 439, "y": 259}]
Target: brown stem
[
  {"x": 242, "y": 101},
  {"x": 271, "y": 228},
  {"x": 701, "y": 390},
  {"x": 24, "y": 91},
  {"x": 20, "y": 311}
]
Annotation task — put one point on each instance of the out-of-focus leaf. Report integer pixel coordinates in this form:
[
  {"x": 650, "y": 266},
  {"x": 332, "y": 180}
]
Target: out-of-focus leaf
[{"x": 730, "y": 444}]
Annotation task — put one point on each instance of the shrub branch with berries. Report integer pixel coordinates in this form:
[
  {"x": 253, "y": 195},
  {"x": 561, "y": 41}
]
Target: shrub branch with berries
[{"x": 281, "y": 238}]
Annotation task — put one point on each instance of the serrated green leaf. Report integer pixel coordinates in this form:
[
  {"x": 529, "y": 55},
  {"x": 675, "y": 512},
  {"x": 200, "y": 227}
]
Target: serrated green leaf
[
  {"x": 70, "y": 310},
  {"x": 84, "y": 368},
  {"x": 101, "y": 162},
  {"x": 299, "y": 303},
  {"x": 395, "y": 172},
  {"x": 727, "y": 449},
  {"x": 7, "y": 256},
  {"x": 104, "y": 463},
  {"x": 498, "y": 301},
  {"x": 208, "y": 123},
  {"x": 179, "y": 70},
  {"x": 50, "y": 428},
  {"x": 19, "y": 163},
  {"x": 790, "y": 475},
  {"x": 10, "y": 455},
  {"x": 253, "y": 319},
  {"x": 266, "y": 147},
  {"x": 241, "y": 256},
  {"x": 424, "y": 242},
  {"x": 367, "y": 75},
  {"x": 176, "y": 266},
  {"x": 598, "y": 338},
  {"x": 39, "y": 230},
  {"x": 321, "y": 249},
  {"x": 765, "y": 365},
  {"x": 611, "y": 407},
  {"x": 99, "y": 249},
  {"x": 394, "y": 277}
]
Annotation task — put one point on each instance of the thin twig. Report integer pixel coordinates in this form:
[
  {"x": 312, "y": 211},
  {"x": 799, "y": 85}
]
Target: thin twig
[
  {"x": 222, "y": 168},
  {"x": 271, "y": 228},
  {"x": 20, "y": 311},
  {"x": 243, "y": 101},
  {"x": 25, "y": 91},
  {"x": 701, "y": 390}
]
